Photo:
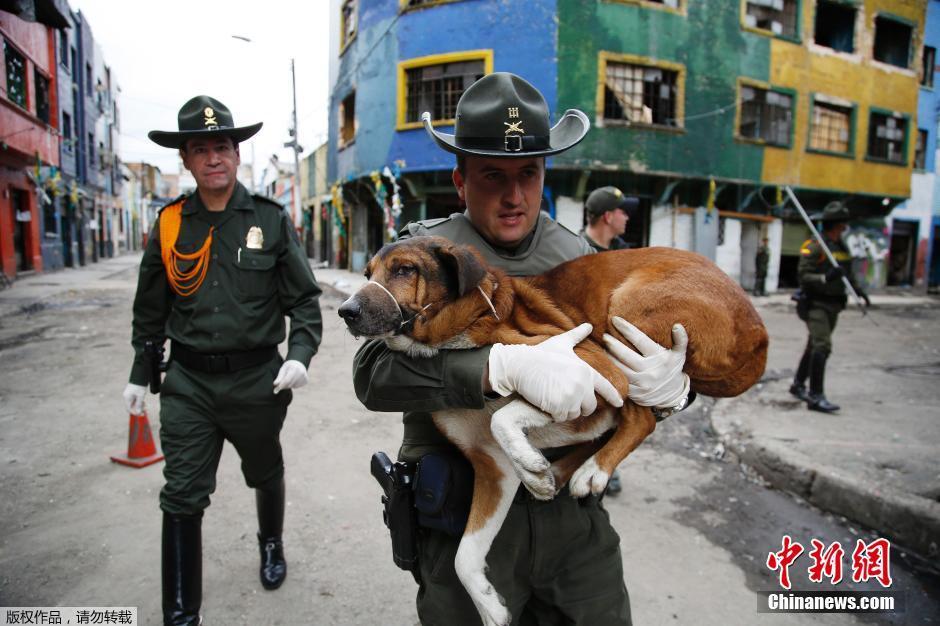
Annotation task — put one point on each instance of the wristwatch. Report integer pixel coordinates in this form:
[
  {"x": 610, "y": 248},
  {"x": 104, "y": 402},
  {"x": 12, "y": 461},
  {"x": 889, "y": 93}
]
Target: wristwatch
[{"x": 662, "y": 412}]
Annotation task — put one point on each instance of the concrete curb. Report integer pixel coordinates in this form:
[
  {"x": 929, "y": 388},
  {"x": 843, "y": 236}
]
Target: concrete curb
[{"x": 908, "y": 519}]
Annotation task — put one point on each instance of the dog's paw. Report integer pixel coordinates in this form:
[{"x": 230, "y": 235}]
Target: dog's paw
[
  {"x": 588, "y": 479},
  {"x": 541, "y": 485}
]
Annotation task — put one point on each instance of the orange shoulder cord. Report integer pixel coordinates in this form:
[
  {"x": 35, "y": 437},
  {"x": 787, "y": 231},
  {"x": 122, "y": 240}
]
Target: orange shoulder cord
[{"x": 183, "y": 283}]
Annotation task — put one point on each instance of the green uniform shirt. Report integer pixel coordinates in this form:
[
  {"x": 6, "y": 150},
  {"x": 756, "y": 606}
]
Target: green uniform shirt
[
  {"x": 391, "y": 381},
  {"x": 813, "y": 267},
  {"x": 246, "y": 293},
  {"x": 762, "y": 260}
]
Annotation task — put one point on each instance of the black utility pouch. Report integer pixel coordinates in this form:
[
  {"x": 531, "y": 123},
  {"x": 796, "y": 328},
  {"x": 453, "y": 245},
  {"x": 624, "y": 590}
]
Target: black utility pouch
[
  {"x": 802, "y": 304},
  {"x": 443, "y": 492}
]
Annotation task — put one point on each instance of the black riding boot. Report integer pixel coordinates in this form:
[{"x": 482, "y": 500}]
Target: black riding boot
[
  {"x": 798, "y": 388},
  {"x": 817, "y": 374},
  {"x": 182, "y": 569},
  {"x": 270, "y": 501}
]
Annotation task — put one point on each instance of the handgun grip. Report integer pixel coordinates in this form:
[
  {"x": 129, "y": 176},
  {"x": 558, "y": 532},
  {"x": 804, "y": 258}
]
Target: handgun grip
[{"x": 381, "y": 468}]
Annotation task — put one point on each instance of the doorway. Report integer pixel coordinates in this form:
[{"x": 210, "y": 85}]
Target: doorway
[
  {"x": 21, "y": 231},
  {"x": 902, "y": 259}
]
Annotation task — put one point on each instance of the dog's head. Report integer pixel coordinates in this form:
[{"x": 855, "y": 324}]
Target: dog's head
[{"x": 410, "y": 283}]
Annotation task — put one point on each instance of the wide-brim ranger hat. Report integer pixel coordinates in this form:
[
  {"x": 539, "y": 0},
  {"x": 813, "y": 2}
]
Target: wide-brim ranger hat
[
  {"x": 203, "y": 116},
  {"x": 835, "y": 211},
  {"x": 503, "y": 115}
]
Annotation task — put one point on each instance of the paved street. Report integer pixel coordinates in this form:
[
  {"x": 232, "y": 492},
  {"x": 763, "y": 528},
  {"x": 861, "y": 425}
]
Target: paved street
[{"x": 696, "y": 525}]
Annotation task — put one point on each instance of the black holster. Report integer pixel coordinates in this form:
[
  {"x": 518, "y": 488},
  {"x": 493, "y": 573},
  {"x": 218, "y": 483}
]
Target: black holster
[
  {"x": 155, "y": 365},
  {"x": 397, "y": 481},
  {"x": 802, "y": 300}
]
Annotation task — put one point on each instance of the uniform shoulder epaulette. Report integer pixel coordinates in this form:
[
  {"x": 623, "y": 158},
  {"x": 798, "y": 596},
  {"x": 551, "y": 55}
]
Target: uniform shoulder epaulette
[
  {"x": 437, "y": 221},
  {"x": 570, "y": 232},
  {"x": 267, "y": 200},
  {"x": 180, "y": 197}
]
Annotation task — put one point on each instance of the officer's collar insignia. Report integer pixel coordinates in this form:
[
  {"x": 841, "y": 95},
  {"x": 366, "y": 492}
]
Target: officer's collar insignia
[{"x": 255, "y": 238}]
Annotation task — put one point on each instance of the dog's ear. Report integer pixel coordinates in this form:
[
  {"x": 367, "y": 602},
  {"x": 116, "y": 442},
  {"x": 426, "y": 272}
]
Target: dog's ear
[{"x": 464, "y": 269}]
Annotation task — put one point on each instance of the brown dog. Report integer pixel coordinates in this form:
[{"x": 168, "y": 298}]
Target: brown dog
[{"x": 426, "y": 294}]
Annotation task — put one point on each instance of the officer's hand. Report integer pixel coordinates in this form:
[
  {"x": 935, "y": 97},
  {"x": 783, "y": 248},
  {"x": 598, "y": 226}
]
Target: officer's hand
[
  {"x": 292, "y": 375},
  {"x": 655, "y": 373},
  {"x": 134, "y": 398},
  {"x": 834, "y": 274},
  {"x": 551, "y": 376}
]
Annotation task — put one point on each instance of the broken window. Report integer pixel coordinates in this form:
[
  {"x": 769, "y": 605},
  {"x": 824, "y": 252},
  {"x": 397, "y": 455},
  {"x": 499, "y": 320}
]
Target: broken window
[
  {"x": 16, "y": 74},
  {"x": 920, "y": 150},
  {"x": 42, "y": 96},
  {"x": 886, "y": 137},
  {"x": 640, "y": 94},
  {"x": 766, "y": 115},
  {"x": 928, "y": 61},
  {"x": 835, "y": 25},
  {"x": 348, "y": 23},
  {"x": 347, "y": 120},
  {"x": 777, "y": 16},
  {"x": 892, "y": 41},
  {"x": 437, "y": 88},
  {"x": 831, "y": 128}
]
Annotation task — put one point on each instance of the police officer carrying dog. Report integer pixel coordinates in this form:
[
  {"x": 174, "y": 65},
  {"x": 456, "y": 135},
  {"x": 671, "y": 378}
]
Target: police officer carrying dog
[
  {"x": 544, "y": 563},
  {"x": 824, "y": 290},
  {"x": 219, "y": 274},
  {"x": 608, "y": 212}
]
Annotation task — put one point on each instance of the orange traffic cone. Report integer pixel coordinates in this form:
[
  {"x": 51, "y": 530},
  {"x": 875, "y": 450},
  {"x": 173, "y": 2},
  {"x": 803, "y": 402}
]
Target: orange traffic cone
[{"x": 141, "y": 450}]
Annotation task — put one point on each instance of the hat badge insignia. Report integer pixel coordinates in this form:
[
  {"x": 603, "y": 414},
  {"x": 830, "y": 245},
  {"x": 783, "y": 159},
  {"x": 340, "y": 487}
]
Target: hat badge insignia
[
  {"x": 210, "y": 117},
  {"x": 255, "y": 238}
]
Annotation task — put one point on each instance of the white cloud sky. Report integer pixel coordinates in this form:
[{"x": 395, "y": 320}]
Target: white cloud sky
[{"x": 163, "y": 53}]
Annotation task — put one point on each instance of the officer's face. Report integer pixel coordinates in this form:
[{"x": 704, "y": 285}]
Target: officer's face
[
  {"x": 503, "y": 196},
  {"x": 212, "y": 162}
]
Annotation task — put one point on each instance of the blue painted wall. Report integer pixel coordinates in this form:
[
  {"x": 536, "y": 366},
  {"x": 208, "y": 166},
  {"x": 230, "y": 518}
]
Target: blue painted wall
[{"x": 522, "y": 36}]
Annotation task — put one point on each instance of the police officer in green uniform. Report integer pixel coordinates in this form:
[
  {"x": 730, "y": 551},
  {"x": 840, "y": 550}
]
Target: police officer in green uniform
[
  {"x": 821, "y": 282},
  {"x": 761, "y": 262},
  {"x": 553, "y": 562},
  {"x": 221, "y": 270},
  {"x": 608, "y": 211}
]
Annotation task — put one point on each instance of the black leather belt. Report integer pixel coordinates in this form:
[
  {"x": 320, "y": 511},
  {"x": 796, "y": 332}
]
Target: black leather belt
[{"x": 220, "y": 363}]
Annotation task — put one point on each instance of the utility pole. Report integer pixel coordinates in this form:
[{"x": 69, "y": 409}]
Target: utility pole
[{"x": 298, "y": 213}]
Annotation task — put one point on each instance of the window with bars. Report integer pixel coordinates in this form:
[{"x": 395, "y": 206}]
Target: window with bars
[
  {"x": 16, "y": 74},
  {"x": 831, "y": 129},
  {"x": 640, "y": 94},
  {"x": 887, "y": 133},
  {"x": 892, "y": 41},
  {"x": 349, "y": 22},
  {"x": 437, "y": 88},
  {"x": 778, "y": 16},
  {"x": 347, "y": 120},
  {"x": 928, "y": 61},
  {"x": 920, "y": 150},
  {"x": 766, "y": 115},
  {"x": 42, "y": 96}
]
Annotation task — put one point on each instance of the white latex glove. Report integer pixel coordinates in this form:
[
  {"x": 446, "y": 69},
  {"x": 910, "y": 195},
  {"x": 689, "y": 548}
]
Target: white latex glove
[
  {"x": 655, "y": 373},
  {"x": 551, "y": 376},
  {"x": 292, "y": 375},
  {"x": 134, "y": 398}
]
